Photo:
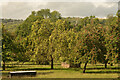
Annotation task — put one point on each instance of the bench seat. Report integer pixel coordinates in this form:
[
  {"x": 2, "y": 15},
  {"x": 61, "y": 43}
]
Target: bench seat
[{"x": 19, "y": 73}]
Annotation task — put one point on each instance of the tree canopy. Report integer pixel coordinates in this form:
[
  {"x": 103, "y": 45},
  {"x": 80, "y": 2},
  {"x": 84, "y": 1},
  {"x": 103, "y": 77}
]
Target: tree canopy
[{"x": 45, "y": 37}]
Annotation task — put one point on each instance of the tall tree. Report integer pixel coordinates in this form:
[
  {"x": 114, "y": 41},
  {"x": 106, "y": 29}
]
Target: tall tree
[{"x": 41, "y": 30}]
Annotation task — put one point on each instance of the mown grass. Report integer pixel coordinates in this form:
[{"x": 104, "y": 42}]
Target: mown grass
[{"x": 44, "y": 71}]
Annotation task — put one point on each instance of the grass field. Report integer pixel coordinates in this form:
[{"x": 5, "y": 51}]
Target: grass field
[{"x": 43, "y": 71}]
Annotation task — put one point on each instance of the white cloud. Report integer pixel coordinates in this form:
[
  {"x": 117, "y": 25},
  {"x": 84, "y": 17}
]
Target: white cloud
[
  {"x": 3, "y": 3},
  {"x": 105, "y": 4},
  {"x": 21, "y": 10},
  {"x": 59, "y": 0},
  {"x": 36, "y": 4}
]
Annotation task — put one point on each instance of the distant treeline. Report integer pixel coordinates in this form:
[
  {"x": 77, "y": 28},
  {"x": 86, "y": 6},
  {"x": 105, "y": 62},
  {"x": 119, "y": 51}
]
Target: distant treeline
[
  {"x": 11, "y": 24},
  {"x": 10, "y": 20}
]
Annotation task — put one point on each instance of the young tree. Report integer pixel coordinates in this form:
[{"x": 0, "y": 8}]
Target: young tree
[
  {"x": 55, "y": 15},
  {"x": 45, "y": 13},
  {"x": 8, "y": 46}
]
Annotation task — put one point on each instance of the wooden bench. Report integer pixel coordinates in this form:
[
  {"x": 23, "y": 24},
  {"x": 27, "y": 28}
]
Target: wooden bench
[{"x": 21, "y": 73}]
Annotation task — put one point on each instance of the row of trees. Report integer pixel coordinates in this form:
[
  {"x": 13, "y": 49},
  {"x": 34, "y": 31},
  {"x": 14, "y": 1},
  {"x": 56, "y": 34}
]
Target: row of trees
[{"x": 47, "y": 37}]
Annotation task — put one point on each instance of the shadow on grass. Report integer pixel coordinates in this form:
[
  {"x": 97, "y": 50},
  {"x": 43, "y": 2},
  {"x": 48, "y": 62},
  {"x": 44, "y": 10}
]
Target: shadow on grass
[
  {"x": 33, "y": 69},
  {"x": 44, "y": 69},
  {"x": 103, "y": 72},
  {"x": 25, "y": 69},
  {"x": 11, "y": 66},
  {"x": 103, "y": 68},
  {"x": 99, "y": 65},
  {"x": 77, "y": 69}
]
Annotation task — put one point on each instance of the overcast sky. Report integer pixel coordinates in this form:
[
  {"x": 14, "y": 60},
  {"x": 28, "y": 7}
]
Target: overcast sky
[{"x": 21, "y": 10}]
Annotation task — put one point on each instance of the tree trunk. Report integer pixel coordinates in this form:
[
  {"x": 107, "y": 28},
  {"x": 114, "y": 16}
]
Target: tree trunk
[
  {"x": 111, "y": 64},
  {"x": 80, "y": 64},
  {"x": 51, "y": 62},
  {"x": 95, "y": 61},
  {"x": 22, "y": 64},
  {"x": 105, "y": 65},
  {"x": 106, "y": 61},
  {"x": 39, "y": 62},
  {"x": 85, "y": 66},
  {"x": 3, "y": 65}
]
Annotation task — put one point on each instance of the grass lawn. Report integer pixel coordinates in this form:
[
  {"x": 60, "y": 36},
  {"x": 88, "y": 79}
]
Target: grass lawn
[{"x": 43, "y": 71}]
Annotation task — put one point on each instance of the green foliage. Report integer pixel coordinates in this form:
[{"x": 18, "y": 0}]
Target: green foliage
[
  {"x": 46, "y": 36},
  {"x": 41, "y": 30},
  {"x": 8, "y": 46},
  {"x": 55, "y": 15}
]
